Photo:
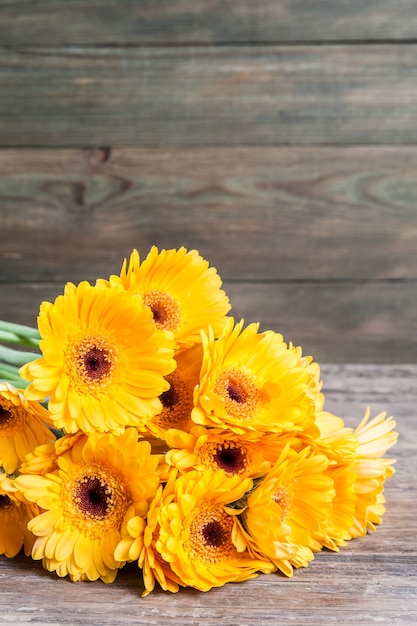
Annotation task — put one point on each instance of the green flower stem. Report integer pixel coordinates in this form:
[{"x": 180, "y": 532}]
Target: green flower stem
[
  {"x": 57, "y": 432},
  {"x": 27, "y": 342},
  {"x": 20, "y": 329},
  {"x": 19, "y": 334},
  {"x": 16, "y": 357},
  {"x": 7, "y": 337},
  {"x": 17, "y": 383},
  {"x": 8, "y": 371}
]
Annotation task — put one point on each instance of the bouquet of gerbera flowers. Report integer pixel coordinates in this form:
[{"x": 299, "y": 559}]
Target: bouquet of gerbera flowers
[{"x": 153, "y": 427}]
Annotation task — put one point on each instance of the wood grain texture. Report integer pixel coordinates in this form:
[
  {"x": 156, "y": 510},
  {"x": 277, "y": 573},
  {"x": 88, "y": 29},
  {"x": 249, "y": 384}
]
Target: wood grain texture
[
  {"x": 339, "y": 322},
  {"x": 133, "y": 22},
  {"x": 208, "y": 95},
  {"x": 361, "y": 322},
  {"x": 371, "y": 580},
  {"x": 276, "y": 137},
  {"x": 267, "y": 214},
  {"x": 319, "y": 243}
]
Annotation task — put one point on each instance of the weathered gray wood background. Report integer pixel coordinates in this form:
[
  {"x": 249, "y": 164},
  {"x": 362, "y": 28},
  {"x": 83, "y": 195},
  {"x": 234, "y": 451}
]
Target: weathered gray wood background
[{"x": 277, "y": 137}]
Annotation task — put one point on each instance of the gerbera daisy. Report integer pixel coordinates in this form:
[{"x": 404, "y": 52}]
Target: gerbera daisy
[
  {"x": 288, "y": 511},
  {"x": 195, "y": 535},
  {"x": 357, "y": 470},
  {"x": 252, "y": 381},
  {"x": 100, "y": 480},
  {"x": 23, "y": 426},
  {"x": 337, "y": 441},
  {"x": 177, "y": 401},
  {"x": 104, "y": 361},
  {"x": 248, "y": 455},
  {"x": 374, "y": 437},
  {"x": 182, "y": 291},
  {"x": 339, "y": 444},
  {"x": 44, "y": 458},
  {"x": 341, "y": 518},
  {"x": 15, "y": 513},
  {"x": 313, "y": 370},
  {"x": 138, "y": 543}
]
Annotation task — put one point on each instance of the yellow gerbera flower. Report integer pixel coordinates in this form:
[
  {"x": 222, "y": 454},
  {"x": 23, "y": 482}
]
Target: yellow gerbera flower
[
  {"x": 248, "y": 455},
  {"x": 315, "y": 383},
  {"x": 374, "y": 437},
  {"x": 100, "y": 480},
  {"x": 177, "y": 401},
  {"x": 23, "y": 426},
  {"x": 339, "y": 444},
  {"x": 357, "y": 470},
  {"x": 15, "y": 513},
  {"x": 195, "y": 535},
  {"x": 139, "y": 539},
  {"x": 44, "y": 458},
  {"x": 182, "y": 291},
  {"x": 252, "y": 381},
  {"x": 337, "y": 441},
  {"x": 288, "y": 511},
  {"x": 103, "y": 362},
  {"x": 341, "y": 518}
]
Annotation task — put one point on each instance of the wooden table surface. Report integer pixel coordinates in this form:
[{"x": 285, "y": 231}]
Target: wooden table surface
[{"x": 371, "y": 580}]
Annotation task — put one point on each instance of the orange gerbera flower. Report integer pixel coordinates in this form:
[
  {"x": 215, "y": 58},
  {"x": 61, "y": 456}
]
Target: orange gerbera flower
[
  {"x": 287, "y": 513},
  {"x": 177, "y": 401},
  {"x": 23, "y": 426},
  {"x": 196, "y": 531},
  {"x": 139, "y": 543},
  {"x": 252, "y": 381},
  {"x": 15, "y": 513},
  {"x": 248, "y": 455},
  {"x": 357, "y": 470},
  {"x": 374, "y": 437}
]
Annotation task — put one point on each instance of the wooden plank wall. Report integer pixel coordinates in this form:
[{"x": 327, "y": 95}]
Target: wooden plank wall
[{"x": 279, "y": 138}]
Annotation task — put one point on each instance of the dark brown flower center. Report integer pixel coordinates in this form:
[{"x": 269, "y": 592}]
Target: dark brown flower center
[
  {"x": 92, "y": 497},
  {"x": 214, "y": 534},
  {"x": 210, "y": 534},
  {"x": 5, "y": 502},
  {"x": 165, "y": 309},
  {"x": 236, "y": 392},
  {"x": 240, "y": 393},
  {"x": 159, "y": 314},
  {"x": 96, "y": 363},
  {"x": 231, "y": 460},
  {"x": 170, "y": 397},
  {"x": 177, "y": 403},
  {"x": 5, "y": 415},
  {"x": 91, "y": 362}
]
